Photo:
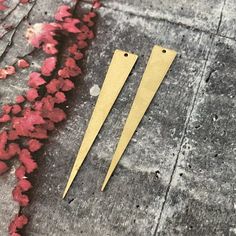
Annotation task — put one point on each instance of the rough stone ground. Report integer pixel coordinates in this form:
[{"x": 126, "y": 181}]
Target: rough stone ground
[{"x": 177, "y": 176}]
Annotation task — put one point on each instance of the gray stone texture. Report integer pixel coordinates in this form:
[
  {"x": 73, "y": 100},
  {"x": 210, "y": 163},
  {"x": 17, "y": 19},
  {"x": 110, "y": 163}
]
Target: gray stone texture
[
  {"x": 8, "y": 208},
  {"x": 177, "y": 176}
]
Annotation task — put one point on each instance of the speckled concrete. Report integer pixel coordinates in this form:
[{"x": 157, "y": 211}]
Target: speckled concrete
[
  {"x": 8, "y": 209},
  {"x": 177, "y": 176}
]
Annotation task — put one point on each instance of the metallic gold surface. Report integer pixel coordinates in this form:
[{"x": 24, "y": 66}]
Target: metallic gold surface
[
  {"x": 118, "y": 72},
  {"x": 157, "y": 67}
]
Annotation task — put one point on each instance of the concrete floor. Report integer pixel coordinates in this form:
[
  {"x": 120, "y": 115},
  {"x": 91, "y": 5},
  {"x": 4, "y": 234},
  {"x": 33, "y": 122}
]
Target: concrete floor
[{"x": 177, "y": 176}]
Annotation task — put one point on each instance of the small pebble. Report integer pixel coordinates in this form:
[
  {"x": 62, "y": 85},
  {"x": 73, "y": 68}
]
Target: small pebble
[{"x": 95, "y": 90}]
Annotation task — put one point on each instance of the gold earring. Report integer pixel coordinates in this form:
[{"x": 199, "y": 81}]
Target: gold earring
[
  {"x": 118, "y": 72},
  {"x": 157, "y": 67}
]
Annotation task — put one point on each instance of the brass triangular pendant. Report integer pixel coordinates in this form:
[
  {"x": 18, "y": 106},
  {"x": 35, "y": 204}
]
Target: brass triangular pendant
[
  {"x": 157, "y": 67},
  {"x": 118, "y": 72}
]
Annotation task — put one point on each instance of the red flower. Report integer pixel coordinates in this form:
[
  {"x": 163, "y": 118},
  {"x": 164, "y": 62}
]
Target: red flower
[
  {"x": 48, "y": 103},
  {"x": 2, "y": 6},
  {"x": 82, "y": 44},
  {"x": 11, "y": 151},
  {"x": 56, "y": 115},
  {"x": 17, "y": 223},
  {"x": 10, "y": 70},
  {"x": 85, "y": 33},
  {"x": 15, "y": 109},
  {"x": 42, "y": 33},
  {"x": 20, "y": 99},
  {"x": 53, "y": 86},
  {"x": 60, "y": 97},
  {"x": 74, "y": 51},
  {"x": 48, "y": 66},
  {"x": 34, "y": 145},
  {"x": 6, "y": 109},
  {"x": 3, "y": 73},
  {"x": 64, "y": 72},
  {"x": 88, "y": 18},
  {"x": 32, "y": 94},
  {"x": 72, "y": 67},
  {"x": 12, "y": 135},
  {"x": 96, "y": 4},
  {"x": 26, "y": 124},
  {"x": 35, "y": 80},
  {"x": 31, "y": 121},
  {"x": 5, "y": 118},
  {"x": 23, "y": 64},
  {"x": 20, "y": 172},
  {"x": 19, "y": 197},
  {"x": 15, "y": 234},
  {"x": 3, "y": 139},
  {"x": 25, "y": 185},
  {"x": 69, "y": 25},
  {"x": 7, "y": 153},
  {"x": 70, "y": 62},
  {"x": 67, "y": 85},
  {"x": 3, "y": 167},
  {"x": 50, "y": 48},
  {"x": 62, "y": 12},
  {"x": 26, "y": 159}
]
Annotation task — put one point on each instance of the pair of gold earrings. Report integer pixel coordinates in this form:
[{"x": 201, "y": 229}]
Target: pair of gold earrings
[{"x": 118, "y": 72}]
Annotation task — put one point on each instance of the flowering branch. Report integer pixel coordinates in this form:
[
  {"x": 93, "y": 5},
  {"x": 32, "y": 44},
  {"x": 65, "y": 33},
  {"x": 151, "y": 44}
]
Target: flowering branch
[{"x": 29, "y": 121}]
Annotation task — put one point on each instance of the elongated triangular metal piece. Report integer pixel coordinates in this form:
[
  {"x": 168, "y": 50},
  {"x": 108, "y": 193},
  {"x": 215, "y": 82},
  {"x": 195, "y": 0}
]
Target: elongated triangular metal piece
[
  {"x": 118, "y": 72},
  {"x": 157, "y": 67}
]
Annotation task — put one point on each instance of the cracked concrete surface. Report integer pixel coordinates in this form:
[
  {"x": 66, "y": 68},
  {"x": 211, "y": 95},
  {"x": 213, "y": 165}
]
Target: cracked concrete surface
[{"x": 177, "y": 175}]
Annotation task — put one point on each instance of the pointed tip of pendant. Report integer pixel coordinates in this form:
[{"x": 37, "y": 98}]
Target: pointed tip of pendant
[
  {"x": 70, "y": 181},
  {"x": 103, "y": 187},
  {"x": 64, "y": 195},
  {"x": 105, "y": 183},
  {"x": 65, "y": 192}
]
